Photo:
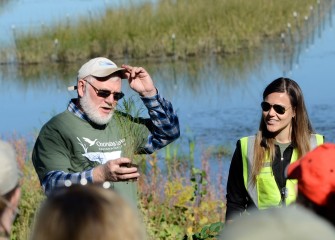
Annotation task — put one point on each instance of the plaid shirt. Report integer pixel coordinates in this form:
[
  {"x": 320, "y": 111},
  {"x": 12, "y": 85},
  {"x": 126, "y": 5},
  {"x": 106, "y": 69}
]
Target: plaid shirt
[{"x": 161, "y": 114}]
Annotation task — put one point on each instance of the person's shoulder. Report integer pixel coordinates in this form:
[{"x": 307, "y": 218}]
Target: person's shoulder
[
  {"x": 60, "y": 119},
  {"x": 317, "y": 134},
  {"x": 317, "y": 139},
  {"x": 246, "y": 138}
]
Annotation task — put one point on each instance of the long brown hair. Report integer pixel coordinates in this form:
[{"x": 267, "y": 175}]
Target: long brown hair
[{"x": 301, "y": 126}]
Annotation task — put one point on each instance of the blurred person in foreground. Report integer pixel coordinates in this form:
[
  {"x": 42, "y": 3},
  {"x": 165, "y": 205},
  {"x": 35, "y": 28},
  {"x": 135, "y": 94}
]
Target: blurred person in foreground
[
  {"x": 10, "y": 190},
  {"x": 81, "y": 212},
  {"x": 290, "y": 223},
  {"x": 315, "y": 173},
  {"x": 257, "y": 170},
  {"x": 91, "y": 139}
]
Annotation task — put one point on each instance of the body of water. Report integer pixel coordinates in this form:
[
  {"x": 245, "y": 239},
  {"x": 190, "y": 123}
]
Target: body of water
[{"x": 217, "y": 99}]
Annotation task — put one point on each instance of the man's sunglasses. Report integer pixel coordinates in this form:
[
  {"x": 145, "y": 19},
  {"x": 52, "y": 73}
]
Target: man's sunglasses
[
  {"x": 106, "y": 93},
  {"x": 278, "y": 108}
]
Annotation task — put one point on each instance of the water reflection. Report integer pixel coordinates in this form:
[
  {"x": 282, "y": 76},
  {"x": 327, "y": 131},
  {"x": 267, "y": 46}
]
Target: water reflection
[
  {"x": 304, "y": 38},
  {"x": 228, "y": 71}
]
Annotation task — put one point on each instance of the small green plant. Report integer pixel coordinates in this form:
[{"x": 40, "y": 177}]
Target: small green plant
[
  {"x": 210, "y": 231},
  {"x": 129, "y": 124}
]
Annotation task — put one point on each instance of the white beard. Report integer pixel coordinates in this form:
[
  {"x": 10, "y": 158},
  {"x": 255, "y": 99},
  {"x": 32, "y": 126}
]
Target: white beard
[{"x": 91, "y": 110}]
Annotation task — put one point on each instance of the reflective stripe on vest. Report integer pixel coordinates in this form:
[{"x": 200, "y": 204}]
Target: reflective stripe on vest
[{"x": 265, "y": 192}]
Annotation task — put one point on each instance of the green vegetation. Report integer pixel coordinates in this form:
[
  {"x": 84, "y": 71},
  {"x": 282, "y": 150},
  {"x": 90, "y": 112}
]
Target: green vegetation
[
  {"x": 168, "y": 28},
  {"x": 183, "y": 205},
  {"x": 180, "y": 207}
]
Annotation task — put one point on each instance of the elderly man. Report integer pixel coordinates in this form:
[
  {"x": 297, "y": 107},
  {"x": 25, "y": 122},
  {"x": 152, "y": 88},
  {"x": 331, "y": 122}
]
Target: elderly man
[
  {"x": 10, "y": 190},
  {"x": 90, "y": 141}
]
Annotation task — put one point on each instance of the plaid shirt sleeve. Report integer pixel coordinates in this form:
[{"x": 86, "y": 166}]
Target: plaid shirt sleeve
[
  {"x": 165, "y": 121},
  {"x": 56, "y": 179}
]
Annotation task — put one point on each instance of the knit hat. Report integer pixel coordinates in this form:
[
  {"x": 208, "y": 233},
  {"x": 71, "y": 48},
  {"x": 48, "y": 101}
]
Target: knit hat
[
  {"x": 9, "y": 171},
  {"x": 315, "y": 173},
  {"x": 98, "y": 67}
]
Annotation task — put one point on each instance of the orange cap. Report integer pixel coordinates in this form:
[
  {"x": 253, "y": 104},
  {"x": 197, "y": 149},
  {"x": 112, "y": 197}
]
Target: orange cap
[{"x": 315, "y": 172}]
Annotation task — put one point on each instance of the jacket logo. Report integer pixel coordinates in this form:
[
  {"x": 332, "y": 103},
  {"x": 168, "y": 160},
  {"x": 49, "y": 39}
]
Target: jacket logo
[{"x": 87, "y": 140}]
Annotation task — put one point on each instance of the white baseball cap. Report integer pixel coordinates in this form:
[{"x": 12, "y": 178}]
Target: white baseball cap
[
  {"x": 98, "y": 67},
  {"x": 9, "y": 170}
]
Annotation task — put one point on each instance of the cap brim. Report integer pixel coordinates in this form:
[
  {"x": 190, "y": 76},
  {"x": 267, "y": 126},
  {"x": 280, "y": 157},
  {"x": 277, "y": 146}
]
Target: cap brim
[
  {"x": 107, "y": 72},
  {"x": 293, "y": 171}
]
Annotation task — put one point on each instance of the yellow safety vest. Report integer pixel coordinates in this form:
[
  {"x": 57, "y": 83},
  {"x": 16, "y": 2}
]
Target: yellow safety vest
[{"x": 265, "y": 192}]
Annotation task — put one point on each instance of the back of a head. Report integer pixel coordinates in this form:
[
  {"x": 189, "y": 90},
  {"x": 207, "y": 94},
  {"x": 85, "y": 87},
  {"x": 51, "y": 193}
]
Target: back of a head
[
  {"x": 87, "y": 212},
  {"x": 315, "y": 172},
  {"x": 10, "y": 190},
  {"x": 289, "y": 223},
  {"x": 9, "y": 171}
]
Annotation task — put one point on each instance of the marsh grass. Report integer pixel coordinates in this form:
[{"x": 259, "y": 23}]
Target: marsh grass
[
  {"x": 167, "y": 28},
  {"x": 174, "y": 207}
]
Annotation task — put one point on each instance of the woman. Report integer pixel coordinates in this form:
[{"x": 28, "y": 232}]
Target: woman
[
  {"x": 256, "y": 174},
  {"x": 81, "y": 212}
]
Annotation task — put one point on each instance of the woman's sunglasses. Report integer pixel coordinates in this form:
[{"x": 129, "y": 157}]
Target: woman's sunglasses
[
  {"x": 278, "y": 108},
  {"x": 106, "y": 93}
]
